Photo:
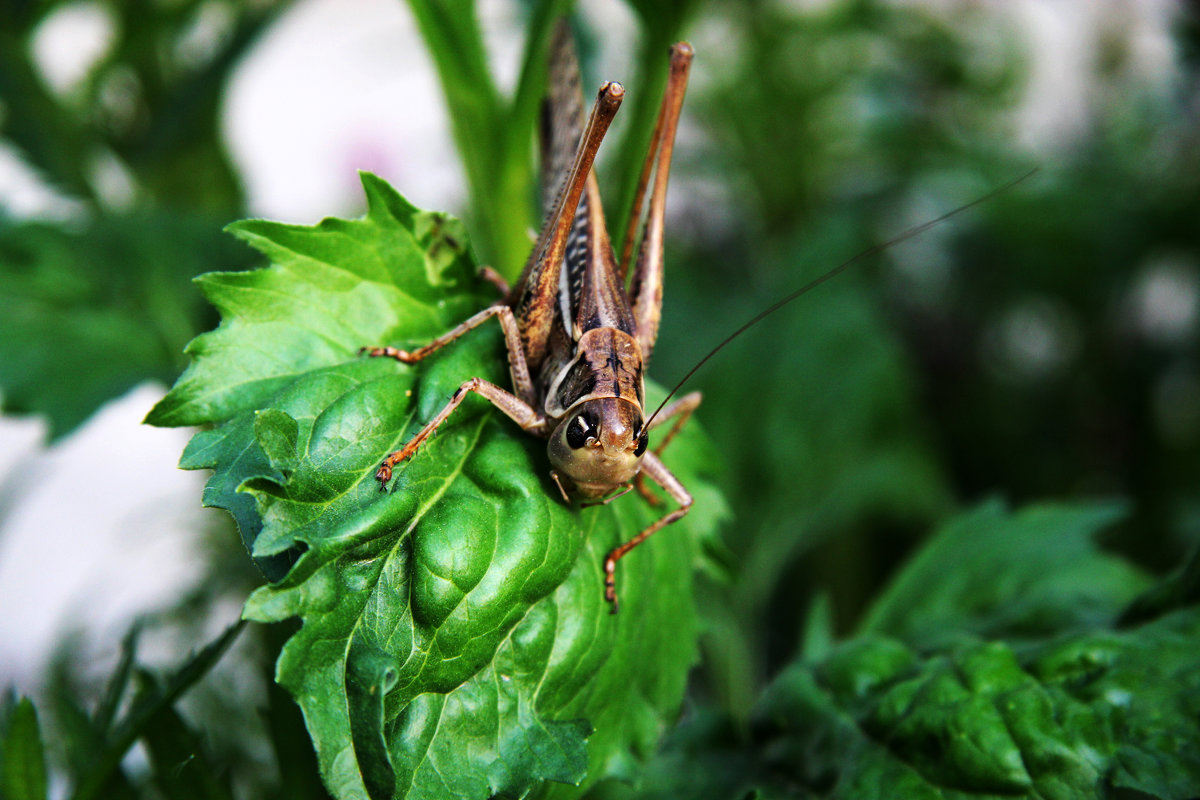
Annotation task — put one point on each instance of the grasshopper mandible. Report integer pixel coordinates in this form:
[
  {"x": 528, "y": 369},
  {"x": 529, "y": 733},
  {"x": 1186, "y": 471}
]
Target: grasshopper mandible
[{"x": 578, "y": 340}]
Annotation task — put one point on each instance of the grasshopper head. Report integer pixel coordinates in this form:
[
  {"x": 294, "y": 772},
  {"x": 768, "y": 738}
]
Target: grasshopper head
[{"x": 599, "y": 445}]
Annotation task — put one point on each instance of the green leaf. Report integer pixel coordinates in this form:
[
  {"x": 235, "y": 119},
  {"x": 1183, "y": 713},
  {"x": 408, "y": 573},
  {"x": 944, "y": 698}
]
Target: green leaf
[
  {"x": 88, "y": 314},
  {"x": 182, "y": 769},
  {"x": 1069, "y": 718},
  {"x": 152, "y": 699},
  {"x": 22, "y": 755},
  {"x": 455, "y": 641},
  {"x": 995, "y": 573}
]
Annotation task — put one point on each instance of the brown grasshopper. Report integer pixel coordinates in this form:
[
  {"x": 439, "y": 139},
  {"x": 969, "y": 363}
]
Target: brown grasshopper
[{"x": 578, "y": 341}]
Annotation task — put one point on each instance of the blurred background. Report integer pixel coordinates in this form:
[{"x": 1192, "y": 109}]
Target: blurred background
[{"x": 1042, "y": 346}]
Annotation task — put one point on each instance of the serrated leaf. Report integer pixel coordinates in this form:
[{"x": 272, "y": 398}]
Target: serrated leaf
[{"x": 455, "y": 640}]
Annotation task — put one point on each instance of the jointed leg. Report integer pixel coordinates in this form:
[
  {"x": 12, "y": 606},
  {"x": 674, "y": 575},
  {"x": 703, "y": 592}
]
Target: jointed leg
[
  {"x": 495, "y": 279},
  {"x": 681, "y": 408},
  {"x": 603, "y": 501},
  {"x": 522, "y": 382},
  {"x": 663, "y": 477},
  {"x": 645, "y": 291},
  {"x": 536, "y": 295},
  {"x": 514, "y": 407}
]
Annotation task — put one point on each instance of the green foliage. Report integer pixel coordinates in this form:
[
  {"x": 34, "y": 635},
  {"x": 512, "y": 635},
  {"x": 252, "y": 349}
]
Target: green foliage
[
  {"x": 447, "y": 638},
  {"x": 90, "y": 313},
  {"x": 149, "y": 102},
  {"x": 498, "y": 166},
  {"x": 493, "y": 132},
  {"x": 136, "y": 705},
  {"x": 22, "y": 754},
  {"x": 1070, "y": 718},
  {"x": 973, "y": 683},
  {"x": 455, "y": 638},
  {"x": 991, "y": 574},
  {"x": 93, "y": 307}
]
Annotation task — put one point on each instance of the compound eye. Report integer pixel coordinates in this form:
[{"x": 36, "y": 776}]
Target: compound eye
[
  {"x": 579, "y": 430},
  {"x": 641, "y": 445}
]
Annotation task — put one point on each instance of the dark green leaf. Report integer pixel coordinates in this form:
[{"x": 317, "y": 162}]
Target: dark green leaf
[
  {"x": 89, "y": 314},
  {"x": 1180, "y": 588},
  {"x": 118, "y": 682},
  {"x": 22, "y": 755},
  {"x": 182, "y": 770},
  {"x": 995, "y": 573},
  {"x": 455, "y": 639},
  {"x": 152, "y": 699},
  {"x": 1070, "y": 718}
]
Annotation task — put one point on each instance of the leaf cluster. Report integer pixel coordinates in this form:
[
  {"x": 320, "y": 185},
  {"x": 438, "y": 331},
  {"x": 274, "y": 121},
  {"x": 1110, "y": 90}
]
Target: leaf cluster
[
  {"x": 96, "y": 304},
  {"x": 984, "y": 669},
  {"x": 137, "y": 705}
]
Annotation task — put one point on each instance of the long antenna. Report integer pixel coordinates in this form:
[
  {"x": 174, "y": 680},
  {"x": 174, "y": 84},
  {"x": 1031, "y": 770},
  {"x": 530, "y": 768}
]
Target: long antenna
[{"x": 833, "y": 273}]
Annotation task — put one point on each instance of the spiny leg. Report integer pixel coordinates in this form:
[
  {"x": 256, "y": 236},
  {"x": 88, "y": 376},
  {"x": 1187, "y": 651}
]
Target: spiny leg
[
  {"x": 645, "y": 291},
  {"x": 657, "y": 472},
  {"x": 513, "y": 407},
  {"x": 681, "y": 409},
  {"x": 621, "y": 491},
  {"x": 517, "y": 364}
]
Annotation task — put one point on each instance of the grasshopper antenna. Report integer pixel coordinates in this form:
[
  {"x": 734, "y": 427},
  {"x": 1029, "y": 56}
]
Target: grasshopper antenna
[{"x": 833, "y": 273}]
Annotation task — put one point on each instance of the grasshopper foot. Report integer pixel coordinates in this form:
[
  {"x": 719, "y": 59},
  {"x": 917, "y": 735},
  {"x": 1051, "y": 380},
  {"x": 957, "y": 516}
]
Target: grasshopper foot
[{"x": 383, "y": 475}]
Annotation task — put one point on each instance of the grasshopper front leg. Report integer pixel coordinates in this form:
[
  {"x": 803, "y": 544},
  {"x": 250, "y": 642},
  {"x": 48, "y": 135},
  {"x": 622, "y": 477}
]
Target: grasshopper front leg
[
  {"x": 517, "y": 407},
  {"x": 657, "y": 472},
  {"x": 513, "y": 407}
]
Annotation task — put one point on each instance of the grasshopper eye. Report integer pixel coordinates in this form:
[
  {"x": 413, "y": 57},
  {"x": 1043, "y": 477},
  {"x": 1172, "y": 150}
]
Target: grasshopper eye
[
  {"x": 641, "y": 445},
  {"x": 579, "y": 431}
]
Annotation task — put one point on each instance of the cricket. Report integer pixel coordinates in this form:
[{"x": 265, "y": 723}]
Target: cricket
[{"x": 578, "y": 331}]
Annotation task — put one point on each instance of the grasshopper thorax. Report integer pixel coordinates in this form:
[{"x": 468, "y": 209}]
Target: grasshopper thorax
[{"x": 598, "y": 445}]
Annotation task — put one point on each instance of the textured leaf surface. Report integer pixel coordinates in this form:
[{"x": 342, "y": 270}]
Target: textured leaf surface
[
  {"x": 1071, "y": 718},
  {"x": 455, "y": 639},
  {"x": 994, "y": 573},
  {"x": 1054, "y": 703}
]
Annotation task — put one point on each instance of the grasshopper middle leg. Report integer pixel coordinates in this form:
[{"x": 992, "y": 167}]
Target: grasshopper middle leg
[
  {"x": 682, "y": 410},
  {"x": 517, "y": 365}
]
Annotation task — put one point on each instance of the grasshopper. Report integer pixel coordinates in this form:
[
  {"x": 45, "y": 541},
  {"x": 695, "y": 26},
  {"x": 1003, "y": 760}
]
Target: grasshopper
[{"x": 578, "y": 340}]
